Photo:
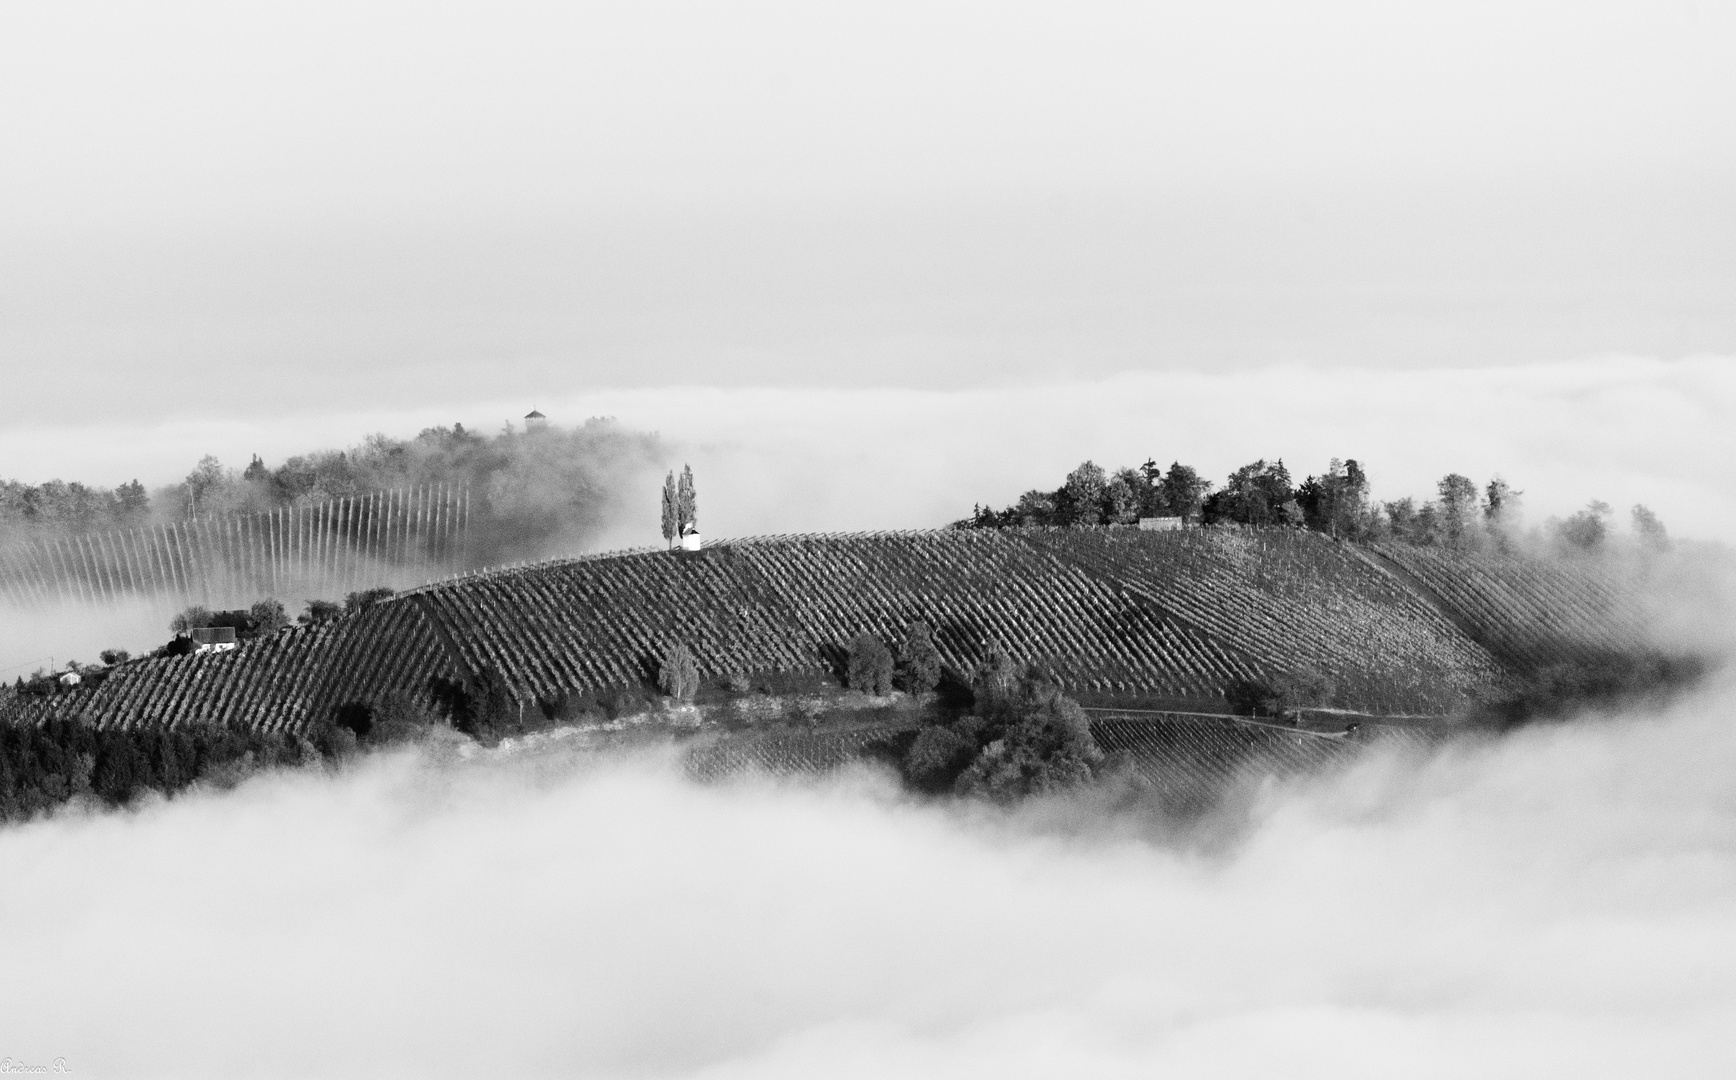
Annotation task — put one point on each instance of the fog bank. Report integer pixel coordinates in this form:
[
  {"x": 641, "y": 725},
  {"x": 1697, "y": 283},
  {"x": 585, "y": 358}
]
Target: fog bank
[
  {"x": 1561, "y": 903},
  {"x": 790, "y": 459}
]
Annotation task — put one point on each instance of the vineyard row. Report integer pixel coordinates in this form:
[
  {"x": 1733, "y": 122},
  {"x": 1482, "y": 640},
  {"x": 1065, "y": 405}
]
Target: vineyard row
[{"x": 329, "y": 546}]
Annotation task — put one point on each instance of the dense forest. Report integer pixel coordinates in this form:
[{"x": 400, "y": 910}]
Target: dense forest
[{"x": 1335, "y": 502}]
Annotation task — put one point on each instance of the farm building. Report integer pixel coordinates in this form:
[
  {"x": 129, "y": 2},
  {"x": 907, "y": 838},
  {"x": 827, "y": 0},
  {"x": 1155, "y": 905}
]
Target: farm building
[
  {"x": 213, "y": 638},
  {"x": 1160, "y": 524}
]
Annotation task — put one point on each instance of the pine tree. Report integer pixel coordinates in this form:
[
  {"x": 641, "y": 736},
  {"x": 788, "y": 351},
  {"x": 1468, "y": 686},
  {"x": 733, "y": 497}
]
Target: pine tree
[
  {"x": 686, "y": 504},
  {"x": 671, "y": 510}
]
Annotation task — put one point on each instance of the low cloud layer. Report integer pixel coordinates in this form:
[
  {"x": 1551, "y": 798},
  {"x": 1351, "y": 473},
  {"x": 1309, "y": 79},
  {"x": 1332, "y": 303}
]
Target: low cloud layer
[
  {"x": 1559, "y": 903},
  {"x": 1623, "y": 429}
]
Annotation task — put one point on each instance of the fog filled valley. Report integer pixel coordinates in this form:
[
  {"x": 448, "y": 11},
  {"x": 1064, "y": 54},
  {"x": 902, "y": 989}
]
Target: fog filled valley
[
  {"x": 1557, "y": 901},
  {"x": 1556, "y": 897},
  {"x": 868, "y": 540}
]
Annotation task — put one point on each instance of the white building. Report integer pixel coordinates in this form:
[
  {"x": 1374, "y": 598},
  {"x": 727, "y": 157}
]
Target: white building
[{"x": 213, "y": 638}]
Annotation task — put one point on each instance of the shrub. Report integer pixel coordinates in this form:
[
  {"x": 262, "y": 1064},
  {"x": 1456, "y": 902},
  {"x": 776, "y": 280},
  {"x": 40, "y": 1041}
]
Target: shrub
[
  {"x": 112, "y": 657},
  {"x": 1252, "y": 697},
  {"x": 678, "y": 672},
  {"x": 870, "y": 665},
  {"x": 356, "y": 716}
]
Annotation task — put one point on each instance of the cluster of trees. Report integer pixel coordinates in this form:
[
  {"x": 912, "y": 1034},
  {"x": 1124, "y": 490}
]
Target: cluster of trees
[
  {"x": 1004, "y": 733},
  {"x": 264, "y": 617},
  {"x": 1016, "y": 735},
  {"x": 1609, "y": 681},
  {"x": 72, "y": 507},
  {"x": 680, "y": 506},
  {"x": 1335, "y": 502},
  {"x": 872, "y": 668},
  {"x": 43, "y": 766},
  {"x": 1092, "y": 496}
]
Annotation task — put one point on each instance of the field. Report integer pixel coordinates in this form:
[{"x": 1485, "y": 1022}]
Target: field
[{"x": 1119, "y": 615}]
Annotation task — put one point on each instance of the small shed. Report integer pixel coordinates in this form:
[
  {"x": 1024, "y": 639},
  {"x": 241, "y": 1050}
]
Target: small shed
[
  {"x": 1160, "y": 524},
  {"x": 213, "y": 638}
]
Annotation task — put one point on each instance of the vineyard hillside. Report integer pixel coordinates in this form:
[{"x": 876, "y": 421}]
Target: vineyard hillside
[{"x": 1119, "y": 615}]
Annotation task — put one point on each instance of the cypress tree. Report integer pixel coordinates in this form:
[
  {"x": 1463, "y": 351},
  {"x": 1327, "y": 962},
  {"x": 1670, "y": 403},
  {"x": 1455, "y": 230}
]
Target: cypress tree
[
  {"x": 671, "y": 510},
  {"x": 686, "y": 503}
]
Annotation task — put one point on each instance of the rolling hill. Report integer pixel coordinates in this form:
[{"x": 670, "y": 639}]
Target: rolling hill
[{"x": 1122, "y": 616}]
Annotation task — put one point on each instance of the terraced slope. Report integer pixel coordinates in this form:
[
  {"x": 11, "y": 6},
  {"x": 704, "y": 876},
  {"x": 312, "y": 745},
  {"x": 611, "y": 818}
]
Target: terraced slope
[{"x": 1115, "y": 612}]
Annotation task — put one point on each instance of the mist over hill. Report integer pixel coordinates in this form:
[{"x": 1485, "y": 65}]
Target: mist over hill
[
  {"x": 84, "y": 568},
  {"x": 533, "y": 492}
]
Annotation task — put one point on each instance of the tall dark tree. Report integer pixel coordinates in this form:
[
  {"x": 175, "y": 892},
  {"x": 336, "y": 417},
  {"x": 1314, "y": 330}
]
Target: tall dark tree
[
  {"x": 1121, "y": 499},
  {"x": 918, "y": 660},
  {"x": 1181, "y": 493},
  {"x": 869, "y": 667},
  {"x": 268, "y": 617},
  {"x": 1256, "y": 494},
  {"x": 1080, "y": 500},
  {"x": 1586, "y": 530},
  {"x": 132, "y": 505},
  {"x": 671, "y": 510},
  {"x": 1458, "y": 510},
  {"x": 686, "y": 503},
  {"x": 1037, "y": 508},
  {"x": 1649, "y": 530},
  {"x": 1501, "y": 510},
  {"x": 1336, "y": 503}
]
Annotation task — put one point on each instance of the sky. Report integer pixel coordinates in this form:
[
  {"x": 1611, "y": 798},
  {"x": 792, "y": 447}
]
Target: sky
[{"x": 270, "y": 229}]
